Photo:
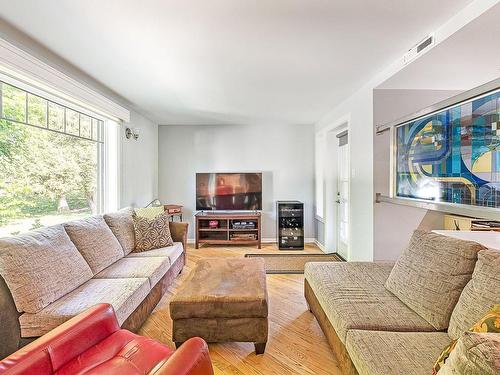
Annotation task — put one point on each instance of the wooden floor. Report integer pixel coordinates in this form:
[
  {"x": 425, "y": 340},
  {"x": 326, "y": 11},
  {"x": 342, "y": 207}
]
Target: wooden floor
[{"x": 296, "y": 344}]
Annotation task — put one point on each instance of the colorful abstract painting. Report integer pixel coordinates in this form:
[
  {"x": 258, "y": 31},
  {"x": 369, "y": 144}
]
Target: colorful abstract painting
[{"x": 452, "y": 156}]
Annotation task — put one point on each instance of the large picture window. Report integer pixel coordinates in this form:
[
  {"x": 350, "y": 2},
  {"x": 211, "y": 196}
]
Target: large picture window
[
  {"x": 51, "y": 159},
  {"x": 452, "y": 155}
]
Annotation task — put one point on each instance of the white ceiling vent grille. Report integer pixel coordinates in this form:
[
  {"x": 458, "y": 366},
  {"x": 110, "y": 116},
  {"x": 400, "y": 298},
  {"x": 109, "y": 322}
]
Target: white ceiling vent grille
[{"x": 424, "y": 45}]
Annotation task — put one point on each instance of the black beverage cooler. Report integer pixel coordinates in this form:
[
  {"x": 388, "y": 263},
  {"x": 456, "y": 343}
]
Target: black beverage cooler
[{"x": 290, "y": 225}]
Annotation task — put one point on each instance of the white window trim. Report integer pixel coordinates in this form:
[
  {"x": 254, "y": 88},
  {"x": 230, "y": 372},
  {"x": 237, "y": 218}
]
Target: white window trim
[{"x": 25, "y": 68}]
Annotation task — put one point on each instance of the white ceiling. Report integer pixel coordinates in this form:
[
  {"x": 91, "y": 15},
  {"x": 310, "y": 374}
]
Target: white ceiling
[
  {"x": 230, "y": 61},
  {"x": 465, "y": 60}
]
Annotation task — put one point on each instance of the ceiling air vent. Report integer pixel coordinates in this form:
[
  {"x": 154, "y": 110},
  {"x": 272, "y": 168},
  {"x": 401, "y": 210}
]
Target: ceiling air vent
[{"x": 425, "y": 44}]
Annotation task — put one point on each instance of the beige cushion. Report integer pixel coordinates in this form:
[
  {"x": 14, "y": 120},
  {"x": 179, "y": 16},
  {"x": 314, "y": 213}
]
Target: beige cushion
[
  {"x": 152, "y": 233},
  {"x": 479, "y": 295},
  {"x": 353, "y": 296},
  {"x": 395, "y": 353},
  {"x": 41, "y": 266},
  {"x": 150, "y": 212},
  {"x": 95, "y": 241},
  {"x": 122, "y": 226},
  {"x": 152, "y": 268},
  {"x": 474, "y": 354},
  {"x": 172, "y": 252},
  {"x": 124, "y": 294},
  {"x": 223, "y": 288},
  {"x": 431, "y": 273}
]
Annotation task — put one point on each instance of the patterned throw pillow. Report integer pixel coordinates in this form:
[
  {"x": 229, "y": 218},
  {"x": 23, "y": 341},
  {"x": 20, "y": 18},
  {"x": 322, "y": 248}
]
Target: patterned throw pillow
[
  {"x": 150, "y": 212},
  {"x": 490, "y": 323},
  {"x": 152, "y": 233}
]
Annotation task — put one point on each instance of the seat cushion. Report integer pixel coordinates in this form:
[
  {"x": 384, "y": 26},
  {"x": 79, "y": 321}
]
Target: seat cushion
[
  {"x": 122, "y": 226},
  {"x": 123, "y": 294},
  {"x": 353, "y": 296},
  {"x": 395, "y": 353},
  {"x": 172, "y": 252},
  {"x": 152, "y": 268},
  {"x": 95, "y": 241},
  {"x": 474, "y": 354},
  {"x": 223, "y": 288},
  {"x": 431, "y": 273},
  {"x": 479, "y": 295},
  {"x": 40, "y": 267},
  {"x": 122, "y": 352}
]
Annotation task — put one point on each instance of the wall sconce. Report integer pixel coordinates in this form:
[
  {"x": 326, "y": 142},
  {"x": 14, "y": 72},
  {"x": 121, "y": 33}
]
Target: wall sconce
[{"x": 132, "y": 133}]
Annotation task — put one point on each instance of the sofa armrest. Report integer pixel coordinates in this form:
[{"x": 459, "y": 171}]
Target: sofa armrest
[
  {"x": 65, "y": 342},
  {"x": 179, "y": 232},
  {"x": 192, "y": 358}
]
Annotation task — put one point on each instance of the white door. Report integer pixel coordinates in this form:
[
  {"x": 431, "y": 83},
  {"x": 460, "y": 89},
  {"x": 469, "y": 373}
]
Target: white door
[{"x": 342, "y": 200}]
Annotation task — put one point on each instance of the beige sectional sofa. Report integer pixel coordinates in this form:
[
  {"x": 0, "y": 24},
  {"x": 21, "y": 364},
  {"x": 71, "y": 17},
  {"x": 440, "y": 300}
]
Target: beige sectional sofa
[
  {"x": 396, "y": 318},
  {"x": 52, "y": 274}
]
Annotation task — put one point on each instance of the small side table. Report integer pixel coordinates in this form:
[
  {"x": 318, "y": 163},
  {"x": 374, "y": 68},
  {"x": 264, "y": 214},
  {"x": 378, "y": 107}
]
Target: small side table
[{"x": 173, "y": 210}]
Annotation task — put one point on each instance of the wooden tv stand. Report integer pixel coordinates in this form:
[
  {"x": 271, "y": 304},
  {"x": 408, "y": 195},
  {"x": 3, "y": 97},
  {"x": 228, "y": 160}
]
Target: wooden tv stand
[{"x": 225, "y": 233}]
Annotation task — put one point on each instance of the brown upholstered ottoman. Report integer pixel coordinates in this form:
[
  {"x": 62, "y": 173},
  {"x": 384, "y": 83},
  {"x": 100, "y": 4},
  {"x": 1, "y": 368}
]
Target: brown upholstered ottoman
[{"x": 223, "y": 300}]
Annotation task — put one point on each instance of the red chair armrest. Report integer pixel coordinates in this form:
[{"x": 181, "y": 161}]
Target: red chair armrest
[
  {"x": 65, "y": 342},
  {"x": 192, "y": 358}
]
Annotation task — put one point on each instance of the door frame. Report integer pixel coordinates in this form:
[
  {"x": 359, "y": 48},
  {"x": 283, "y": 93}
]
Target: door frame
[{"x": 330, "y": 175}]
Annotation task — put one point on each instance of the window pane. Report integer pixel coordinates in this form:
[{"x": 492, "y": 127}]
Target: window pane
[
  {"x": 37, "y": 111},
  {"x": 13, "y": 103},
  {"x": 46, "y": 178},
  {"x": 85, "y": 126},
  {"x": 56, "y": 117},
  {"x": 72, "y": 119}
]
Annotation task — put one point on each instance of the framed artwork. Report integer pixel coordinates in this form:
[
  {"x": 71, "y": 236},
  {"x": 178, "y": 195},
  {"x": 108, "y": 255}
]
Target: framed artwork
[{"x": 451, "y": 155}]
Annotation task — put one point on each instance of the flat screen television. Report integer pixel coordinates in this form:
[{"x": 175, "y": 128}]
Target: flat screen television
[{"x": 228, "y": 191}]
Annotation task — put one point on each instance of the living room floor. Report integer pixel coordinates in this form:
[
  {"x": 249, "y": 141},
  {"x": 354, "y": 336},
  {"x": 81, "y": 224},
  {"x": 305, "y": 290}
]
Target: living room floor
[{"x": 296, "y": 344}]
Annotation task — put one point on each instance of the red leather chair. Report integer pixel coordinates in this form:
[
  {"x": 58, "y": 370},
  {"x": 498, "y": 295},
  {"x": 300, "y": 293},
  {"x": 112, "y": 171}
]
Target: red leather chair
[{"x": 93, "y": 343}]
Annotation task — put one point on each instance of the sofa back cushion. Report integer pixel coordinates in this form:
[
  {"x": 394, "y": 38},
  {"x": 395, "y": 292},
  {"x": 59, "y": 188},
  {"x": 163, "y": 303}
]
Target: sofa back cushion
[
  {"x": 122, "y": 226},
  {"x": 431, "y": 273},
  {"x": 40, "y": 267},
  {"x": 95, "y": 241},
  {"x": 479, "y": 295}
]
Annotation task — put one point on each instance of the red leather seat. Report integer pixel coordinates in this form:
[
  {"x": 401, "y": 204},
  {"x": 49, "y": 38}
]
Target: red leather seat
[{"x": 93, "y": 343}]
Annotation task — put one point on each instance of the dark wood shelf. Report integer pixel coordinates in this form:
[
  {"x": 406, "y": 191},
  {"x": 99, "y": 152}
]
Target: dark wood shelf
[{"x": 222, "y": 236}]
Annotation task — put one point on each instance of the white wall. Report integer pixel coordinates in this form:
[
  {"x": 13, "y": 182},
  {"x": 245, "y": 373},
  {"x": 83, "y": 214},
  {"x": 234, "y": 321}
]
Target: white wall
[
  {"x": 283, "y": 153},
  {"x": 139, "y": 163},
  {"x": 359, "y": 107}
]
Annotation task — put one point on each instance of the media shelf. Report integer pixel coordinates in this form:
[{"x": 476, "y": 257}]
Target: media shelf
[{"x": 228, "y": 229}]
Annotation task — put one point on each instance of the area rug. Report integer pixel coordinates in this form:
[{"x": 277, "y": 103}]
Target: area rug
[{"x": 292, "y": 263}]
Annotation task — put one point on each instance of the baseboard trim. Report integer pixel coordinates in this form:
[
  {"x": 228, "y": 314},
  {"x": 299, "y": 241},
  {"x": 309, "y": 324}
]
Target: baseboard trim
[
  {"x": 320, "y": 245},
  {"x": 270, "y": 240}
]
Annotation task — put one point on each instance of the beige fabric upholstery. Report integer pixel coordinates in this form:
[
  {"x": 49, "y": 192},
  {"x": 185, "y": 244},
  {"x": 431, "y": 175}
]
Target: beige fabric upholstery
[
  {"x": 223, "y": 288},
  {"x": 431, "y": 273},
  {"x": 152, "y": 268},
  {"x": 124, "y": 294},
  {"x": 122, "y": 226},
  {"x": 474, "y": 354},
  {"x": 353, "y": 296},
  {"x": 395, "y": 353},
  {"x": 172, "y": 252},
  {"x": 95, "y": 241},
  {"x": 479, "y": 295},
  {"x": 41, "y": 266}
]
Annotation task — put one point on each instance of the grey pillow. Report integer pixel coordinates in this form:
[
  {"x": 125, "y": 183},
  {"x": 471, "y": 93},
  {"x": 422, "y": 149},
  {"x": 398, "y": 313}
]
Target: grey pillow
[
  {"x": 479, "y": 295},
  {"x": 95, "y": 241},
  {"x": 431, "y": 273},
  {"x": 122, "y": 226},
  {"x": 40, "y": 267}
]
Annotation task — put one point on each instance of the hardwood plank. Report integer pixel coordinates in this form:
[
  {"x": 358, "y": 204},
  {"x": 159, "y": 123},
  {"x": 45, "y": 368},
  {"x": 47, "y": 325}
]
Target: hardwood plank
[{"x": 296, "y": 343}]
